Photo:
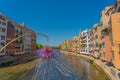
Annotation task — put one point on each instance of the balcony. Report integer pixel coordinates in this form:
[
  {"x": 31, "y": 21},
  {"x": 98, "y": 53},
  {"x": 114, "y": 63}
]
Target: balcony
[{"x": 17, "y": 45}]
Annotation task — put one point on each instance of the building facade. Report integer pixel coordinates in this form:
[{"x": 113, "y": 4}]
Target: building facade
[
  {"x": 97, "y": 40},
  {"x": 84, "y": 42},
  {"x": 10, "y": 36},
  {"x": 115, "y": 39},
  {"x": 76, "y": 44},
  {"x": 10, "y": 30},
  {"x": 3, "y": 33}
]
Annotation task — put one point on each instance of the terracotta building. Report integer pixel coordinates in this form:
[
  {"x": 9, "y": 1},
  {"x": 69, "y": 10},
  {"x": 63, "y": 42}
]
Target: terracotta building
[
  {"x": 115, "y": 39},
  {"x": 97, "y": 40},
  {"x": 105, "y": 23}
]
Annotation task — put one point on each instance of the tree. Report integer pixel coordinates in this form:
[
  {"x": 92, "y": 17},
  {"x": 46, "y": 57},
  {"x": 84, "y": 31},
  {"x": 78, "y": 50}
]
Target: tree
[{"x": 39, "y": 46}]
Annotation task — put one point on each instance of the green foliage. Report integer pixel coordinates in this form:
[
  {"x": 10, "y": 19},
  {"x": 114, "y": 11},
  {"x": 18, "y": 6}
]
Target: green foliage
[
  {"x": 91, "y": 61},
  {"x": 7, "y": 63},
  {"x": 55, "y": 47},
  {"x": 39, "y": 46}
]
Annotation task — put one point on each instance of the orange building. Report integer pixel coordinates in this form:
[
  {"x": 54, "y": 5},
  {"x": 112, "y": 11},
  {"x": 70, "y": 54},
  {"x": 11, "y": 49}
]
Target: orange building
[
  {"x": 76, "y": 44},
  {"x": 70, "y": 46},
  {"x": 115, "y": 39},
  {"x": 105, "y": 24},
  {"x": 97, "y": 40}
]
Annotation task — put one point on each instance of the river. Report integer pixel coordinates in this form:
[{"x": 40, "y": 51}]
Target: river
[{"x": 81, "y": 66}]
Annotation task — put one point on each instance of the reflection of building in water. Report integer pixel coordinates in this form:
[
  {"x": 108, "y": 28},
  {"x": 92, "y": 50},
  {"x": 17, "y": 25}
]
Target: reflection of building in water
[{"x": 85, "y": 69}]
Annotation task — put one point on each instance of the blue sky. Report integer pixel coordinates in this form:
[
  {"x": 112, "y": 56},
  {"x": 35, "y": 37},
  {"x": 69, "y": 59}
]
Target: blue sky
[{"x": 59, "y": 19}]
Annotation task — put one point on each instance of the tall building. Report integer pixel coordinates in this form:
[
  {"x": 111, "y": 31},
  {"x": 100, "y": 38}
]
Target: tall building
[
  {"x": 33, "y": 41},
  {"x": 27, "y": 39},
  {"x": 105, "y": 23},
  {"x": 18, "y": 43},
  {"x": 10, "y": 36},
  {"x": 84, "y": 42},
  {"x": 3, "y": 31},
  {"x": 91, "y": 42},
  {"x": 97, "y": 40},
  {"x": 114, "y": 30},
  {"x": 10, "y": 30}
]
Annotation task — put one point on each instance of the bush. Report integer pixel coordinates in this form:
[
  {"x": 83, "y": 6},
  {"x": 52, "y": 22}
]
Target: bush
[
  {"x": 7, "y": 63},
  {"x": 91, "y": 61}
]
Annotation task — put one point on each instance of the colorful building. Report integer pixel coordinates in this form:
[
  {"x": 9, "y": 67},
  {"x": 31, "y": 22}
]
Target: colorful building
[
  {"x": 97, "y": 40},
  {"x": 33, "y": 41},
  {"x": 115, "y": 39},
  {"x": 105, "y": 23},
  {"x": 91, "y": 42},
  {"x": 84, "y": 42},
  {"x": 70, "y": 46},
  {"x": 10, "y": 36},
  {"x": 19, "y": 42},
  {"x": 27, "y": 39},
  {"x": 76, "y": 44},
  {"x": 10, "y": 30}
]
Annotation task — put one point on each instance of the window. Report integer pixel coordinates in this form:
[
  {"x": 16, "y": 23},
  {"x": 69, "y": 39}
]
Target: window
[
  {"x": 10, "y": 25},
  {"x": 2, "y": 43},
  {"x": 3, "y": 23},
  {"x": 96, "y": 36},
  {"x": 3, "y": 29},
  {"x": 2, "y": 37},
  {"x": 113, "y": 56},
  {"x": 104, "y": 55},
  {"x": 96, "y": 44},
  {"x": 119, "y": 47},
  {"x": 0, "y": 29},
  {"x": 103, "y": 45},
  {"x": 9, "y": 32},
  {"x": 2, "y": 51}
]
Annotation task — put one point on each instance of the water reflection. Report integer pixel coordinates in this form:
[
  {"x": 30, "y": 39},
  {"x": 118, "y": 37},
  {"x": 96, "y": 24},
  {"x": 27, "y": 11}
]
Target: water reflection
[
  {"x": 84, "y": 68},
  {"x": 80, "y": 66}
]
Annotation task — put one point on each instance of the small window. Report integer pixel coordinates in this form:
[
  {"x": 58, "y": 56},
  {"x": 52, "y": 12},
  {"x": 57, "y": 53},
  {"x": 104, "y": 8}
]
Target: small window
[
  {"x": 2, "y": 43},
  {"x": 119, "y": 47},
  {"x": 3, "y": 29},
  {"x": 113, "y": 56},
  {"x": 103, "y": 45},
  {"x": 2, "y": 37},
  {"x": 3, "y": 23},
  {"x": 96, "y": 44},
  {"x": 2, "y": 51},
  {"x": 0, "y": 29},
  {"x": 104, "y": 55}
]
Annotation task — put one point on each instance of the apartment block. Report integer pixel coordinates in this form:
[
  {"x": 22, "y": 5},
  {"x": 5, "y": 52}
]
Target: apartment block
[
  {"x": 18, "y": 43},
  {"x": 3, "y": 33},
  {"x": 33, "y": 41},
  {"x": 115, "y": 39},
  {"x": 97, "y": 40},
  {"x": 105, "y": 24},
  {"x": 76, "y": 44},
  {"x": 10, "y": 36},
  {"x": 10, "y": 30},
  {"x": 84, "y": 42}
]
